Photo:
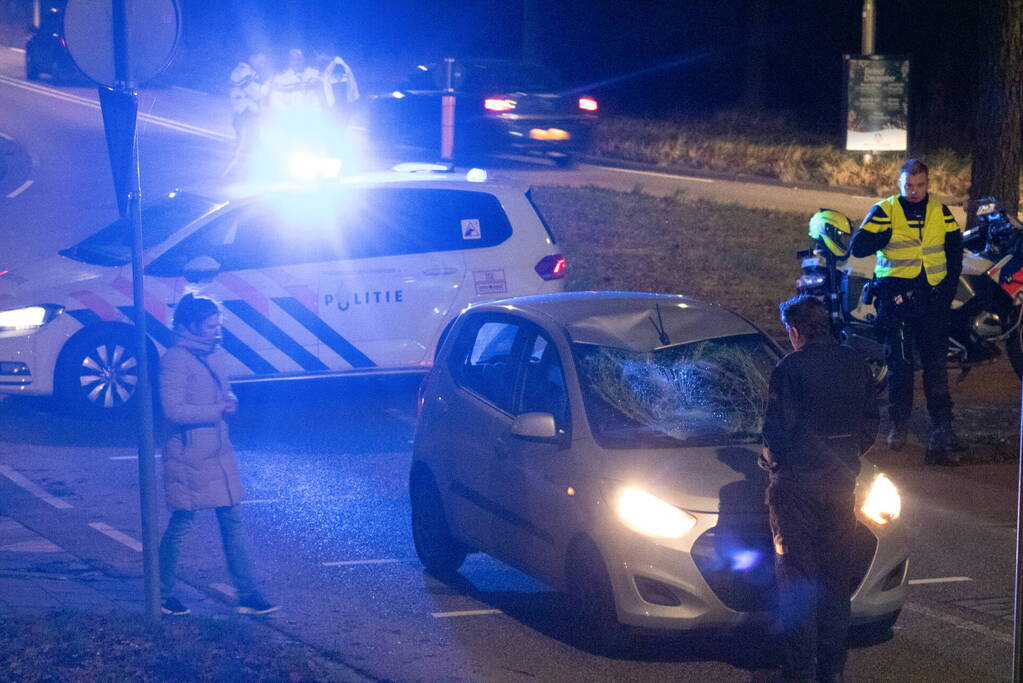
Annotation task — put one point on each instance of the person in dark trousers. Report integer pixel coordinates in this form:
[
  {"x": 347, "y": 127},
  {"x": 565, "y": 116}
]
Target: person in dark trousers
[
  {"x": 821, "y": 417},
  {"x": 919, "y": 259},
  {"x": 199, "y": 467}
]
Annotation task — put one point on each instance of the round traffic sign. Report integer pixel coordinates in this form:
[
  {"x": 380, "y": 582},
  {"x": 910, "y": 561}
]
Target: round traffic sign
[{"x": 151, "y": 29}]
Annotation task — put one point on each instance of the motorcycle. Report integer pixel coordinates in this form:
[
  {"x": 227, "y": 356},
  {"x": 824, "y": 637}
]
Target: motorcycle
[{"x": 985, "y": 311}]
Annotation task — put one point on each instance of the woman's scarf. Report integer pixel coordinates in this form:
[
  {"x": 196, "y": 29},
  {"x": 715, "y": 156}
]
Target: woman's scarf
[{"x": 200, "y": 346}]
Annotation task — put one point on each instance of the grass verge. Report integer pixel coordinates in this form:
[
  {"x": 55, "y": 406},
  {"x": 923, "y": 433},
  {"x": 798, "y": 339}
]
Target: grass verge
[
  {"x": 724, "y": 144},
  {"x": 72, "y": 646},
  {"x": 742, "y": 258}
]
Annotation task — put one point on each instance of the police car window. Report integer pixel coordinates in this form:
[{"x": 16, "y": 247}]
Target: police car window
[
  {"x": 318, "y": 227},
  {"x": 111, "y": 246},
  {"x": 543, "y": 388},
  {"x": 488, "y": 366}
]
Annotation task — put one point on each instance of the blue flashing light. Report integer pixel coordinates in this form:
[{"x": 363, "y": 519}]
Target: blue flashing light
[{"x": 744, "y": 560}]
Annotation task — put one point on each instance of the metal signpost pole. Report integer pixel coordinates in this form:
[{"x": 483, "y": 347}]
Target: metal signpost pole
[
  {"x": 1017, "y": 608},
  {"x": 146, "y": 446},
  {"x": 867, "y": 45},
  {"x": 447, "y": 112}
]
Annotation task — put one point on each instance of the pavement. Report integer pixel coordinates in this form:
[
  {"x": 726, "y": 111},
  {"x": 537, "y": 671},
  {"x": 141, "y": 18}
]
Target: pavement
[{"x": 38, "y": 577}]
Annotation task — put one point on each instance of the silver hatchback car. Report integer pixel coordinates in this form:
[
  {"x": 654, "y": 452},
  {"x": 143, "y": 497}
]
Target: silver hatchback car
[{"x": 606, "y": 444}]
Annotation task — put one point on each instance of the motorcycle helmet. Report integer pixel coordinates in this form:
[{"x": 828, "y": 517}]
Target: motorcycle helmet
[{"x": 832, "y": 229}]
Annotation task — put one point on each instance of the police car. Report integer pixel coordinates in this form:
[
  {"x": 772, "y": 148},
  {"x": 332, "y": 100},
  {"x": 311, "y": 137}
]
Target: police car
[{"x": 352, "y": 277}]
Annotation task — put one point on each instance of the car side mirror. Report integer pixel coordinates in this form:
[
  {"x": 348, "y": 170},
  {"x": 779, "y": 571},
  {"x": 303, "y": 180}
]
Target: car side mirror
[
  {"x": 201, "y": 269},
  {"x": 535, "y": 427}
]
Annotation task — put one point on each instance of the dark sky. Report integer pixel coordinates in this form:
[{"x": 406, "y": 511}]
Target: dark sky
[{"x": 651, "y": 57}]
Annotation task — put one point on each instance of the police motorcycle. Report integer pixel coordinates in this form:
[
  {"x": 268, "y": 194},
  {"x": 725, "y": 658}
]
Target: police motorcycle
[{"x": 986, "y": 307}]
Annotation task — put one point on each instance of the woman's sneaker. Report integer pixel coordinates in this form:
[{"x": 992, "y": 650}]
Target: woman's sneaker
[
  {"x": 255, "y": 604},
  {"x": 173, "y": 607}
]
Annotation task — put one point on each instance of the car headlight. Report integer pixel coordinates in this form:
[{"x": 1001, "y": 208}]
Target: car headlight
[
  {"x": 883, "y": 503},
  {"x": 651, "y": 516},
  {"x": 28, "y": 317}
]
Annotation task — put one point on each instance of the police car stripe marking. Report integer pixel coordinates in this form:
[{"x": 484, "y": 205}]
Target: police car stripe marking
[
  {"x": 85, "y": 316},
  {"x": 246, "y": 291},
  {"x": 249, "y": 358},
  {"x": 274, "y": 335},
  {"x": 154, "y": 328},
  {"x": 154, "y": 306},
  {"x": 102, "y": 308},
  {"x": 324, "y": 332}
]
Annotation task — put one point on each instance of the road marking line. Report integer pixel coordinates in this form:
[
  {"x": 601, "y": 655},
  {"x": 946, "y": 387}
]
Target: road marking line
[
  {"x": 942, "y": 579},
  {"x": 118, "y": 536},
  {"x": 958, "y": 622},
  {"x": 6, "y": 137},
  {"x": 21, "y": 188},
  {"x": 253, "y": 501},
  {"x": 661, "y": 175},
  {"x": 130, "y": 457},
  {"x": 33, "y": 545},
  {"x": 181, "y": 87},
  {"x": 32, "y": 488},
  {"x": 148, "y": 118},
  {"x": 229, "y": 591},
  {"x": 465, "y": 613},
  {"x": 352, "y": 563},
  {"x": 19, "y": 50}
]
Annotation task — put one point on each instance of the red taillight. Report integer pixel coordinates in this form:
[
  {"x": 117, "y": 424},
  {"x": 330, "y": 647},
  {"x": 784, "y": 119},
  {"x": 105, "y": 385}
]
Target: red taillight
[
  {"x": 498, "y": 104},
  {"x": 587, "y": 104},
  {"x": 551, "y": 267}
]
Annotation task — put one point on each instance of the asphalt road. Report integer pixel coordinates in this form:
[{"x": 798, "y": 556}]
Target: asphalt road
[{"x": 327, "y": 512}]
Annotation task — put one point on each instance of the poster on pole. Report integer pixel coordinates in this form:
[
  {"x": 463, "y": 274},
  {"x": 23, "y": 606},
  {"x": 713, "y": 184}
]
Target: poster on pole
[{"x": 877, "y": 103}]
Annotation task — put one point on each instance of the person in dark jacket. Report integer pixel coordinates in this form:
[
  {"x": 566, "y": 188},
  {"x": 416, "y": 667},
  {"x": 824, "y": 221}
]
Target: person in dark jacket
[
  {"x": 199, "y": 466},
  {"x": 919, "y": 259},
  {"x": 821, "y": 417}
]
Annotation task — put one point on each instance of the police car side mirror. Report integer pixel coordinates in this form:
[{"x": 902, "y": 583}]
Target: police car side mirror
[
  {"x": 535, "y": 427},
  {"x": 201, "y": 269}
]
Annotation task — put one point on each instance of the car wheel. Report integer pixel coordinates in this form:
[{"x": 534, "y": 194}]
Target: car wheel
[
  {"x": 437, "y": 549},
  {"x": 97, "y": 374},
  {"x": 591, "y": 590}
]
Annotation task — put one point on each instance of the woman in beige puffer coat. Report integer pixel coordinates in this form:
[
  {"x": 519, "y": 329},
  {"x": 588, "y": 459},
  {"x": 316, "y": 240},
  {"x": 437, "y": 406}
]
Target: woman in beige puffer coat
[{"x": 199, "y": 466}]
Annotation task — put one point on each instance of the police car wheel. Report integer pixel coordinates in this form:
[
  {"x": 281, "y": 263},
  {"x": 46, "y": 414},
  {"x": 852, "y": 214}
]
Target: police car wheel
[
  {"x": 590, "y": 587},
  {"x": 437, "y": 549},
  {"x": 98, "y": 373}
]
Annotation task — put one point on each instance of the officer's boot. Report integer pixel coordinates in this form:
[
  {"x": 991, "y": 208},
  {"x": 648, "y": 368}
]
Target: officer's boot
[
  {"x": 939, "y": 446},
  {"x": 897, "y": 436}
]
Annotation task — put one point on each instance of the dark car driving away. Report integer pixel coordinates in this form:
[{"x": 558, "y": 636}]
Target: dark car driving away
[{"x": 500, "y": 106}]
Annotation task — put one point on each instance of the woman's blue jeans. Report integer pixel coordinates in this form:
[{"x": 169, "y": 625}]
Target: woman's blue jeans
[{"x": 232, "y": 536}]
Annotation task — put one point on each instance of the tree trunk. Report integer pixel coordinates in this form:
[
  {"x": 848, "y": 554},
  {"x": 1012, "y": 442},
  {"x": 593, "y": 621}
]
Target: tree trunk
[{"x": 998, "y": 149}]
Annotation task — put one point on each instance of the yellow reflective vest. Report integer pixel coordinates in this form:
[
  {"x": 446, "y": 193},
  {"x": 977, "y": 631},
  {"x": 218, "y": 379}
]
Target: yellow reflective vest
[{"x": 911, "y": 248}]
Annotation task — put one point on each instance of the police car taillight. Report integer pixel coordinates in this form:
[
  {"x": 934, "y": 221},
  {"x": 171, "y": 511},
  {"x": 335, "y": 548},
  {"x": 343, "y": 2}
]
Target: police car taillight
[
  {"x": 498, "y": 104},
  {"x": 587, "y": 104},
  {"x": 551, "y": 267}
]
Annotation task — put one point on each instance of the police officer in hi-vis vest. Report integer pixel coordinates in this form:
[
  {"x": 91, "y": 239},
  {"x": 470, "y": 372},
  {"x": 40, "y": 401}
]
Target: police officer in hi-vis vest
[{"x": 919, "y": 259}]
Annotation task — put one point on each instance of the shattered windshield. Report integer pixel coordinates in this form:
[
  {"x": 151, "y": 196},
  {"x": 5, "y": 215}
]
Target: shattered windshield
[
  {"x": 111, "y": 246},
  {"x": 709, "y": 392}
]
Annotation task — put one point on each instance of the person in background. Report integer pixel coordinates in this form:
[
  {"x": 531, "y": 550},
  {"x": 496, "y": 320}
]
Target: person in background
[
  {"x": 821, "y": 417},
  {"x": 297, "y": 86},
  {"x": 199, "y": 467},
  {"x": 919, "y": 259},
  {"x": 248, "y": 91},
  {"x": 340, "y": 90}
]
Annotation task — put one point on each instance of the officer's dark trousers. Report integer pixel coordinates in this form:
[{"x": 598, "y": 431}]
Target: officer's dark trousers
[
  {"x": 813, "y": 526},
  {"x": 928, "y": 334}
]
